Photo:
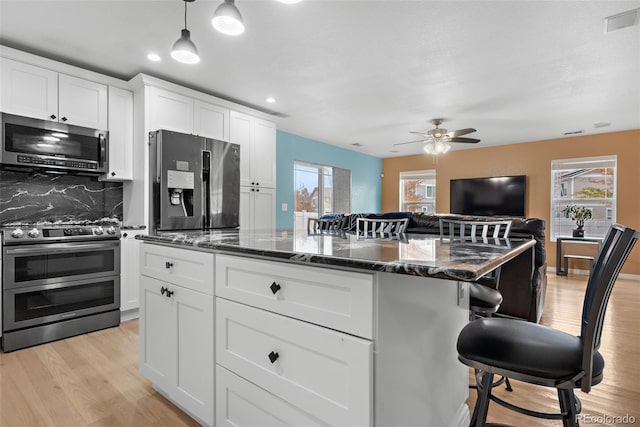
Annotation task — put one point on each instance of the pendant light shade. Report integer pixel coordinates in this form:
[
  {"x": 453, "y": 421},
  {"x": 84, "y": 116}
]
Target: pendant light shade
[
  {"x": 227, "y": 19},
  {"x": 184, "y": 50}
]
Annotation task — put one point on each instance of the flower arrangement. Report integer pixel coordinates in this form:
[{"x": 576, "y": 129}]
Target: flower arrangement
[{"x": 579, "y": 214}]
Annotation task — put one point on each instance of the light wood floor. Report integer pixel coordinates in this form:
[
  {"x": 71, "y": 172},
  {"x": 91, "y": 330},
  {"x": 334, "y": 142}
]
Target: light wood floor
[{"x": 93, "y": 379}]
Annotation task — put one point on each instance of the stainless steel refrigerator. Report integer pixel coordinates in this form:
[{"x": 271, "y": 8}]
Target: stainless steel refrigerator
[{"x": 195, "y": 182}]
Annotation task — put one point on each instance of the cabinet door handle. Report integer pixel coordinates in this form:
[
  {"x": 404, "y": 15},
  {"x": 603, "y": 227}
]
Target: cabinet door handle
[
  {"x": 124, "y": 235},
  {"x": 53, "y": 117},
  {"x": 273, "y": 357},
  {"x": 257, "y": 189},
  {"x": 253, "y": 183},
  {"x": 253, "y": 189},
  {"x": 163, "y": 290},
  {"x": 113, "y": 174},
  {"x": 169, "y": 293},
  {"x": 275, "y": 288},
  {"x": 64, "y": 119},
  {"x": 257, "y": 183},
  {"x": 168, "y": 264}
]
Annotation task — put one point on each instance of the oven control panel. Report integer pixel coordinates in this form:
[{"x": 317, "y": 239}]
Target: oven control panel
[{"x": 31, "y": 234}]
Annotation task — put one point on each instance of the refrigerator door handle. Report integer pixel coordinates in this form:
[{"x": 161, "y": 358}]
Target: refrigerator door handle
[{"x": 206, "y": 188}]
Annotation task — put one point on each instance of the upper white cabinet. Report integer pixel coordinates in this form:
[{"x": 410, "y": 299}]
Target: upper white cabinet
[
  {"x": 210, "y": 120},
  {"x": 257, "y": 208},
  {"x": 170, "y": 110},
  {"x": 82, "y": 102},
  {"x": 180, "y": 113},
  {"x": 120, "y": 135},
  {"x": 257, "y": 140},
  {"x": 32, "y": 91},
  {"x": 28, "y": 90}
]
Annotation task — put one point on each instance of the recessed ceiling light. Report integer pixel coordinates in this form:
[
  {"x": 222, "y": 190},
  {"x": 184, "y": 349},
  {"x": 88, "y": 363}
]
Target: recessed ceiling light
[
  {"x": 153, "y": 57},
  {"x": 270, "y": 100},
  {"x": 601, "y": 124},
  {"x": 289, "y": 1}
]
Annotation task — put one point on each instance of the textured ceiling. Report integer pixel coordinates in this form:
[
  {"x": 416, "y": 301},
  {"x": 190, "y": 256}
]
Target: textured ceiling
[{"x": 369, "y": 72}]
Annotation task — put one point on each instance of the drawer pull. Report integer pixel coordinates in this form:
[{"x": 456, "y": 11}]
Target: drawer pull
[
  {"x": 273, "y": 357},
  {"x": 163, "y": 290},
  {"x": 275, "y": 288},
  {"x": 168, "y": 264},
  {"x": 166, "y": 291}
]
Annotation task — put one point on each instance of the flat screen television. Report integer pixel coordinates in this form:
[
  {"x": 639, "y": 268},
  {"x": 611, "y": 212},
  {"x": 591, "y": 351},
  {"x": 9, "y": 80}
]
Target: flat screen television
[{"x": 494, "y": 196}]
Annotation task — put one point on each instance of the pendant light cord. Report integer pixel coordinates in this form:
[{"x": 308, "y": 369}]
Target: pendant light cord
[{"x": 185, "y": 15}]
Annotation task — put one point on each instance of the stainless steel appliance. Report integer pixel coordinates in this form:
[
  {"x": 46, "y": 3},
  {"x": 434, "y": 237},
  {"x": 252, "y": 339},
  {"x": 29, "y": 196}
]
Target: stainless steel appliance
[
  {"x": 57, "y": 146},
  {"x": 195, "y": 182},
  {"x": 58, "y": 281}
]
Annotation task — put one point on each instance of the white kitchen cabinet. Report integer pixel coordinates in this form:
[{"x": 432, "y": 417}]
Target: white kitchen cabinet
[
  {"x": 170, "y": 110},
  {"x": 257, "y": 208},
  {"x": 176, "y": 340},
  {"x": 32, "y": 91},
  {"x": 257, "y": 140},
  {"x": 82, "y": 102},
  {"x": 210, "y": 120},
  {"x": 323, "y": 372},
  {"x": 28, "y": 90},
  {"x": 120, "y": 135},
  {"x": 130, "y": 270}
]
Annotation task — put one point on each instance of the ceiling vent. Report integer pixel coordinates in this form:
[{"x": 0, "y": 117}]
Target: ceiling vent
[
  {"x": 575, "y": 132},
  {"x": 621, "y": 20},
  {"x": 357, "y": 144}
]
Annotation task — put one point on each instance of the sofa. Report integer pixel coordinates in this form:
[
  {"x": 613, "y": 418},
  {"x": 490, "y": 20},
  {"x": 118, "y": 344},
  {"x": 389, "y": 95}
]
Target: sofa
[{"x": 523, "y": 280}]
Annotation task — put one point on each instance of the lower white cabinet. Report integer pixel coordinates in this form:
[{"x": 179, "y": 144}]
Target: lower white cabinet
[
  {"x": 244, "y": 404},
  {"x": 176, "y": 343},
  {"x": 129, "y": 270},
  {"x": 322, "y": 372}
]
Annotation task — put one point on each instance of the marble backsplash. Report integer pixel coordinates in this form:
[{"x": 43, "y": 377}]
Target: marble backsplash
[{"x": 28, "y": 197}]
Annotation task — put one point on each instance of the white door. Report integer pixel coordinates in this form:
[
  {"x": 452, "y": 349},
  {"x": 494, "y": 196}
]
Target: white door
[
  {"x": 171, "y": 111},
  {"x": 241, "y": 132},
  {"x": 194, "y": 380},
  {"x": 157, "y": 334},
  {"x": 211, "y": 121},
  {"x": 264, "y": 209},
  {"x": 120, "y": 134},
  {"x": 263, "y": 166},
  {"x": 82, "y": 102},
  {"x": 28, "y": 90}
]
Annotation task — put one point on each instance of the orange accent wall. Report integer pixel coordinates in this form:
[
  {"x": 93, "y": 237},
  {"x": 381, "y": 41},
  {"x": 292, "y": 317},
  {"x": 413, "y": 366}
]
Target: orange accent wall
[{"x": 532, "y": 159}]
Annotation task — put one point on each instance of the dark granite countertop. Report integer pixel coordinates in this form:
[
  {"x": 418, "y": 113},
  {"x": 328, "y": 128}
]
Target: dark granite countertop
[{"x": 413, "y": 254}]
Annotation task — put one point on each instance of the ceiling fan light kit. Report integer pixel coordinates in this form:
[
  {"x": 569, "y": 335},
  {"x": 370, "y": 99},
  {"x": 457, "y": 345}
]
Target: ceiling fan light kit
[
  {"x": 437, "y": 140},
  {"x": 184, "y": 50},
  {"x": 227, "y": 19}
]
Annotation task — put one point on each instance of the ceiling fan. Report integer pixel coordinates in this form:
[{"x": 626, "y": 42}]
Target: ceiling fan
[{"x": 438, "y": 139}]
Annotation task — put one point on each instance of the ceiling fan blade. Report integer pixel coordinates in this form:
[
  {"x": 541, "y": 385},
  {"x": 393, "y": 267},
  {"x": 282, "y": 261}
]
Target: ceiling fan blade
[
  {"x": 460, "y": 132},
  {"x": 426, "y": 135},
  {"x": 458, "y": 139},
  {"x": 410, "y": 142}
]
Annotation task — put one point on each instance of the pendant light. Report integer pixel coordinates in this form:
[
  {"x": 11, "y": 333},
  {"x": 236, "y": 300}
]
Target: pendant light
[
  {"x": 183, "y": 49},
  {"x": 227, "y": 19}
]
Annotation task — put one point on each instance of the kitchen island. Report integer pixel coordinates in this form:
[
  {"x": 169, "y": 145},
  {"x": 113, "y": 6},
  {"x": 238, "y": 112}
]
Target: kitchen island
[{"x": 320, "y": 329}]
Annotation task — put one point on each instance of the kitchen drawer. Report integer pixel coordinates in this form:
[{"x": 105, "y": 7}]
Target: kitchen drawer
[
  {"x": 188, "y": 268},
  {"x": 324, "y": 373},
  {"x": 240, "y": 403},
  {"x": 340, "y": 300}
]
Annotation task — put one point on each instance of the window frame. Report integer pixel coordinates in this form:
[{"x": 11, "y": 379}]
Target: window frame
[
  {"x": 608, "y": 161},
  {"x": 426, "y": 174}
]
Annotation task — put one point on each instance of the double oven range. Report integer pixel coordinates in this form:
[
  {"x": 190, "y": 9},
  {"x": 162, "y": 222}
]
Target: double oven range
[{"x": 58, "y": 281}]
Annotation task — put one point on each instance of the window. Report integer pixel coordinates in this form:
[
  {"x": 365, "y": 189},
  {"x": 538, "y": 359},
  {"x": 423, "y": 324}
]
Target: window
[
  {"x": 320, "y": 190},
  {"x": 589, "y": 182},
  {"x": 418, "y": 191}
]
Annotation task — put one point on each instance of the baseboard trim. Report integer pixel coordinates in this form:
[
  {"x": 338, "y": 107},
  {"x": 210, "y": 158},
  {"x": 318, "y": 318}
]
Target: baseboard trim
[{"x": 577, "y": 272}]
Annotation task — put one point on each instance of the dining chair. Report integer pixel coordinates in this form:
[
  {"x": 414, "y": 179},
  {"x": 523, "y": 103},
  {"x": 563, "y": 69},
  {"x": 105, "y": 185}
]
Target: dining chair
[
  {"x": 544, "y": 356},
  {"x": 374, "y": 227}
]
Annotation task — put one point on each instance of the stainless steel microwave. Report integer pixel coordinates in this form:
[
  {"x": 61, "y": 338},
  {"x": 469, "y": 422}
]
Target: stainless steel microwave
[{"x": 51, "y": 145}]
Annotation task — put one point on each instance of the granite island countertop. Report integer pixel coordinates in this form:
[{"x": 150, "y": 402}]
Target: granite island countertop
[{"x": 413, "y": 254}]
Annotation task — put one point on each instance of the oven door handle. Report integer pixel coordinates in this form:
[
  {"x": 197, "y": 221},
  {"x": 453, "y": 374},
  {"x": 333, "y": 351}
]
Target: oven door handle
[{"x": 75, "y": 247}]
